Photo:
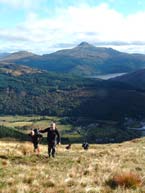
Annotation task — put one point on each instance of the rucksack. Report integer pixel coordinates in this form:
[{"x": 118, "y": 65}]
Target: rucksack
[
  {"x": 37, "y": 134},
  {"x": 36, "y": 131},
  {"x": 85, "y": 145}
]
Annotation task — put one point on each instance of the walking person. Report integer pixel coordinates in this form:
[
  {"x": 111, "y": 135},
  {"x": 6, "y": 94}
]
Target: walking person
[
  {"x": 85, "y": 145},
  {"x": 53, "y": 138},
  {"x": 36, "y": 137}
]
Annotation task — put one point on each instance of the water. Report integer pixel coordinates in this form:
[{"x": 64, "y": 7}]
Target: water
[
  {"x": 108, "y": 76},
  {"x": 141, "y": 130}
]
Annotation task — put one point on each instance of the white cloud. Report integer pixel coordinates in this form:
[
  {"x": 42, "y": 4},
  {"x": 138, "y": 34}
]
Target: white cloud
[{"x": 74, "y": 25}]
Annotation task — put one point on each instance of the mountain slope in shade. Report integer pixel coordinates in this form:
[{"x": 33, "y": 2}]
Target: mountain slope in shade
[
  {"x": 84, "y": 59},
  {"x": 60, "y": 95},
  {"x": 24, "y": 90},
  {"x": 135, "y": 79}
]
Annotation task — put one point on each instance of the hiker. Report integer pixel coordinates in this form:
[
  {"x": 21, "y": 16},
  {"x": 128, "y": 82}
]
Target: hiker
[
  {"x": 36, "y": 137},
  {"x": 85, "y": 145},
  {"x": 68, "y": 146},
  {"x": 53, "y": 138}
]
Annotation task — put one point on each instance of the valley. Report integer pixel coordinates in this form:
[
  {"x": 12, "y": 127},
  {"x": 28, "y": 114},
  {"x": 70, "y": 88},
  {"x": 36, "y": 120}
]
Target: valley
[
  {"x": 72, "y": 129},
  {"x": 77, "y": 100}
]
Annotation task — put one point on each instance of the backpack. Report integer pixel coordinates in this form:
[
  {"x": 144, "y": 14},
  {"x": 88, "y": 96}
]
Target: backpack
[
  {"x": 85, "y": 145},
  {"x": 37, "y": 135},
  {"x": 36, "y": 132}
]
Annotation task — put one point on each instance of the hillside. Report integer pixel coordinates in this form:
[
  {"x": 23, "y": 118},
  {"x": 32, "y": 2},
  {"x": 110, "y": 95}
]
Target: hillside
[
  {"x": 135, "y": 79},
  {"x": 63, "y": 95},
  {"x": 113, "y": 168},
  {"x": 27, "y": 91},
  {"x": 40, "y": 93},
  {"x": 16, "y": 70},
  {"x": 84, "y": 59}
]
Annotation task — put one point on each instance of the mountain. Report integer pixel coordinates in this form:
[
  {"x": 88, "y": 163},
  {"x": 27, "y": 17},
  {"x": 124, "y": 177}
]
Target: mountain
[
  {"x": 17, "y": 55},
  {"x": 2, "y": 55},
  {"x": 85, "y": 59},
  {"x": 135, "y": 79},
  {"x": 86, "y": 50}
]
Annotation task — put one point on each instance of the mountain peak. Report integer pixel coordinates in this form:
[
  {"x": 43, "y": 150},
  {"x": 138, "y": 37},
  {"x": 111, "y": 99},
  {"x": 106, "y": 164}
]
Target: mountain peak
[
  {"x": 85, "y": 44},
  {"x": 18, "y": 55},
  {"x": 23, "y": 53}
]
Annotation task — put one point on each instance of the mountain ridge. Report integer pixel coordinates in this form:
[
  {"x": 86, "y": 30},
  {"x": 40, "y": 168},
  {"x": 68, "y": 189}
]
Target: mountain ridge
[{"x": 84, "y": 59}]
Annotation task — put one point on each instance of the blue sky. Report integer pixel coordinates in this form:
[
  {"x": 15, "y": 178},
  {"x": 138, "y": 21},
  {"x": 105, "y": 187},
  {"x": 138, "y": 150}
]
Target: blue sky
[{"x": 44, "y": 26}]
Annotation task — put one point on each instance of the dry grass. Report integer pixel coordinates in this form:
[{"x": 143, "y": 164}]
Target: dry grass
[
  {"x": 73, "y": 171},
  {"x": 126, "y": 180},
  {"x": 26, "y": 149}
]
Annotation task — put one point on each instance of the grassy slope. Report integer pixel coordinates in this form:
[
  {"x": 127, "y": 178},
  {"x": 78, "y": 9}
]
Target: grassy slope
[{"x": 73, "y": 171}]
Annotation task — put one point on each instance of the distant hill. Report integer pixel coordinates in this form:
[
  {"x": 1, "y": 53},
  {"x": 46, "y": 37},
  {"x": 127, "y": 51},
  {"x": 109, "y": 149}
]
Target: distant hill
[
  {"x": 17, "y": 55},
  {"x": 2, "y": 55},
  {"x": 85, "y": 59}
]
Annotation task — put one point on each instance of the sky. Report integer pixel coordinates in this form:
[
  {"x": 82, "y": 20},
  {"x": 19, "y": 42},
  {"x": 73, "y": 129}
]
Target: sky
[{"x": 45, "y": 26}]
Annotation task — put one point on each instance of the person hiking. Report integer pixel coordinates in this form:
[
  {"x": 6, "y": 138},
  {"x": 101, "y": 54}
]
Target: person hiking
[
  {"x": 53, "y": 138},
  {"x": 36, "y": 137},
  {"x": 85, "y": 145},
  {"x": 68, "y": 146}
]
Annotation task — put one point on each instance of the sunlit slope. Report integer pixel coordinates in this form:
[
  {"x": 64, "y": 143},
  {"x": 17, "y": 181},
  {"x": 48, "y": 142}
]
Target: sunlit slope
[{"x": 74, "y": 170}]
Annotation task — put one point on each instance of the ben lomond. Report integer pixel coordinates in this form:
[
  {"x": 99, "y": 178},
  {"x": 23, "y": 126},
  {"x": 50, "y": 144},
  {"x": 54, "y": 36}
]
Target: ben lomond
[{"x": 84, "y": 59}]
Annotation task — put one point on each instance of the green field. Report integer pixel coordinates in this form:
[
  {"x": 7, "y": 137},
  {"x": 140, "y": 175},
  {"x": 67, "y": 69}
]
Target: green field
[
  {"x": 18, "y": 127},
  {"x": 32, "y": 122},
  {"x": 24, "y": 124}
]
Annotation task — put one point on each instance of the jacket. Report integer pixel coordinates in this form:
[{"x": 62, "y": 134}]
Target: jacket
[{"x": 52, "y": 135}]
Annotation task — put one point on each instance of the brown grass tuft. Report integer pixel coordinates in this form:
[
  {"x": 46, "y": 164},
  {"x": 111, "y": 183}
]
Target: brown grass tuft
[
  {"x": 71, "y": 183},
  {"x": 4, "y": 163},
  {"x": 126, "y": 180},
  {"x": 48, "y": 184},
  {"x": 28, "y": 180}
]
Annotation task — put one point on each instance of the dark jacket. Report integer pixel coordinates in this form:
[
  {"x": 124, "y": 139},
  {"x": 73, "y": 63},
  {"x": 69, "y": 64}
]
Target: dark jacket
[
  {"x": 36, "y": 138},
  {"x": 52, "y": 135}
]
